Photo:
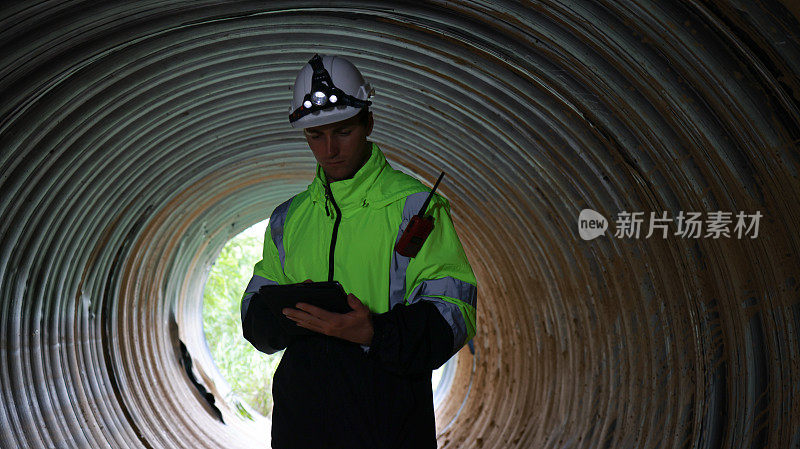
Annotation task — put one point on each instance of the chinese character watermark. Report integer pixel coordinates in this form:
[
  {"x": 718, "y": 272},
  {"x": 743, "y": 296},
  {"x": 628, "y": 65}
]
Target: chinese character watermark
[{"x": 687, "y": 225}]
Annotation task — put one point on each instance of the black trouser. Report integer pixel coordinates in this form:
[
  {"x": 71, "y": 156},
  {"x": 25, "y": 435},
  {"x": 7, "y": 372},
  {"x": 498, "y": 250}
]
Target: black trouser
[{"x": 329, "y": 394}]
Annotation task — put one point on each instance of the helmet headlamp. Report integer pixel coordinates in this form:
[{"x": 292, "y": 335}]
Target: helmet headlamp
[{"x": 319, "y": 98}]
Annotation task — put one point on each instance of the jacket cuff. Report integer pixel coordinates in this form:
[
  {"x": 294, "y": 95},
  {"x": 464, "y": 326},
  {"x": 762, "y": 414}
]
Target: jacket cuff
[{"x": 381, "y": 333}]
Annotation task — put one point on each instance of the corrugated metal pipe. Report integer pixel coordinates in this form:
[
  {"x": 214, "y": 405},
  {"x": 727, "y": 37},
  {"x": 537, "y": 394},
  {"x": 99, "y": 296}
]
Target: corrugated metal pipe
[{"x": 137, "y": 137}]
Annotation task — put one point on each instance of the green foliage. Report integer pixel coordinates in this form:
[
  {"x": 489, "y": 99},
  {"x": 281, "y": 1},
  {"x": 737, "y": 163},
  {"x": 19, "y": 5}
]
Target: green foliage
[{"x": 248, "y": 371}]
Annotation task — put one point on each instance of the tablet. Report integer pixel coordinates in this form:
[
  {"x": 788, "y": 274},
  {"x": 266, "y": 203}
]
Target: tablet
[{"x": 325, "y": 295}]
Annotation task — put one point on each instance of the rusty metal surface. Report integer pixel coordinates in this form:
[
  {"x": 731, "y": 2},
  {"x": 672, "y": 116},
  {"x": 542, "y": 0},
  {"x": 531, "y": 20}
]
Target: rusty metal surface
[{"x": 137, "y": 137}]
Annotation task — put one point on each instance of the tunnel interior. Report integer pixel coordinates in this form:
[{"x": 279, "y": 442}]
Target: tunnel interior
[{"x": 136, "y": 138}]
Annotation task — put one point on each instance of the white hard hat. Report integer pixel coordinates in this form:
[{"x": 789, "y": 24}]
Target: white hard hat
[{"x": 328, "y": 89}]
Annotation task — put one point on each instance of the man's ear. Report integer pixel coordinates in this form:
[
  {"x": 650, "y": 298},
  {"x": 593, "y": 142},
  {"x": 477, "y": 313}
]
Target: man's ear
[{"x": 370, "y": 123}]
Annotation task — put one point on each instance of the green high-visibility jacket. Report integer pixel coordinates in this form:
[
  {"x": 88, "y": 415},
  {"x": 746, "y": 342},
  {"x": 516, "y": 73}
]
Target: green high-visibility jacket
[{"x": 424, "y": 307}]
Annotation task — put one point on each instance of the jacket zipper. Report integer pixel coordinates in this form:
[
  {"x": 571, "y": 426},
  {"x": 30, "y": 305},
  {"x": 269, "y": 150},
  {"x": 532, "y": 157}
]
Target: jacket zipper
[{"x": 336, "y": 222}]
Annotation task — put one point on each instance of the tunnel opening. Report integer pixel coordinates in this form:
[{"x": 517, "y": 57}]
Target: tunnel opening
[{"x": 243, "y": 374}]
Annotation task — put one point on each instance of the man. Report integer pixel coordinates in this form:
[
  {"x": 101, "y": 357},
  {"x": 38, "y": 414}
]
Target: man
[{"x": 362, "y": 380}]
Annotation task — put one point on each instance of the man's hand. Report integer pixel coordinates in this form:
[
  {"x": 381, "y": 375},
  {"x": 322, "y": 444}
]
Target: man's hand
[{"x": 355, "y": 326}]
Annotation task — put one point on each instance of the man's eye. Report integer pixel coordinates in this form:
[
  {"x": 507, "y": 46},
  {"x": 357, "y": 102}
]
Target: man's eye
[{"x": 344, "y": 133}]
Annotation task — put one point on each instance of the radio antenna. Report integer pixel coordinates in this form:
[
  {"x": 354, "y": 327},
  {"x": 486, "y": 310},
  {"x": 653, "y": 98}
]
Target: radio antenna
[{"x": 428, "y": 199}]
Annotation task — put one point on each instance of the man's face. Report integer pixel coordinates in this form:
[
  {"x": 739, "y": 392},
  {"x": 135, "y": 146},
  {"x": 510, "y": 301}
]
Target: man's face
[{"x": 340, "y": 148}]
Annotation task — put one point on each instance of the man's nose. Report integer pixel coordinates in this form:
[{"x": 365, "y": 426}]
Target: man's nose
[{"x": 331, "y": 146}]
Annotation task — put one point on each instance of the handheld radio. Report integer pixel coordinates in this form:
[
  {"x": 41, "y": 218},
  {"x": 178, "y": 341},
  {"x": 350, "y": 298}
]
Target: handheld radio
[{"x": 418, "y": 229}]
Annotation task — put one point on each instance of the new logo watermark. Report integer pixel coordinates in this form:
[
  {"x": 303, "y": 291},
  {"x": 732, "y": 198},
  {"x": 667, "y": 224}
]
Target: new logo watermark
[
  {"x": 718, "y": 224},
  {"x": 591, "y": 224}
]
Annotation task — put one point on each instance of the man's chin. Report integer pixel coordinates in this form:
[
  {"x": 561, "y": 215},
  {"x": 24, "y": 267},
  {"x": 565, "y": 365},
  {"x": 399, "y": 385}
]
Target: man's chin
[{"x": 338, "y": 175}]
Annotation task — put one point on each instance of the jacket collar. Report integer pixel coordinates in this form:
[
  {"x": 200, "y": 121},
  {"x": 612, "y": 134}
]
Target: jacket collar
[{"x": 353, "y": 193}]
